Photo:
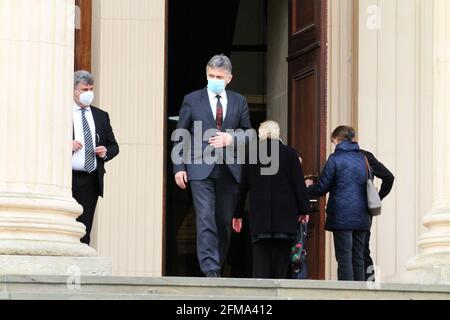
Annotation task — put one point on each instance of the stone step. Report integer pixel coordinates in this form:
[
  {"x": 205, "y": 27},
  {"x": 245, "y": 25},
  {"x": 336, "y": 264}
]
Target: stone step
[
  {"x": 57, "y": 287},
  {"x": 116, "y": 296}
]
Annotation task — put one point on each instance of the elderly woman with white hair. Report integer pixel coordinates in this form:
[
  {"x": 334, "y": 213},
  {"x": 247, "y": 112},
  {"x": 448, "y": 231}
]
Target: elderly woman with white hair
[{"x": 278, "y": 200}]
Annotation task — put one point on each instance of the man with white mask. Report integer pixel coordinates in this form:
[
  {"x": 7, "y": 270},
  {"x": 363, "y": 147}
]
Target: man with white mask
[{"x": 93, "y": 144}]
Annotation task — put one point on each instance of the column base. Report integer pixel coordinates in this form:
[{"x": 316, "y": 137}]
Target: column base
[
  {"x": 45, "y": 248},
  {"x": 55, "y": 266},
  {"x": 35, "y": 224},
  {"x": 429, "y": 269}
]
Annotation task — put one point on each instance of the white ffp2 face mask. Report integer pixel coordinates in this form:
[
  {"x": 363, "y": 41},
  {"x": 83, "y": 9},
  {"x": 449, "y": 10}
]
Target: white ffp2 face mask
[{"x": 86, "y": 98}]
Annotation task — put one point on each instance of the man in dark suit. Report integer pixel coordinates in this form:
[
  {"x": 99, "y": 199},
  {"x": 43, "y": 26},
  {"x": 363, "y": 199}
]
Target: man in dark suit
[
  {"x": 220, "y": 118},
  {"x": 93, "y": 145},
  {"x": 387, "y": 178}
]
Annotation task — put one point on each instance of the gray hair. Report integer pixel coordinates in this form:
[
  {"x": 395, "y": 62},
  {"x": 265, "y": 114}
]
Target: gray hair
[
  {"x": 220, "y": 61},
  {"x": 269, "y": 130},
  {"x": 84, "y": 77}
]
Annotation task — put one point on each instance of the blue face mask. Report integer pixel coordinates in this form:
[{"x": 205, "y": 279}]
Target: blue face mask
[{"x": 216, "y": 86}]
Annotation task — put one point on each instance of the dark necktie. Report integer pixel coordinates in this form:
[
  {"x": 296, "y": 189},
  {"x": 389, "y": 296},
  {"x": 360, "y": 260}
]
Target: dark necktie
[
  {"x": 219, "y": 113},
  {"x": 89, "y": 156}
]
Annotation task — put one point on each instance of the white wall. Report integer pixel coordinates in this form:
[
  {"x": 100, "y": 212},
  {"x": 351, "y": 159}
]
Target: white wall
[
  {"x": 129, "y": 67},
  {"x": 277, "y": 66},
  {"x": 380, "y": 82},
  {"x": 342, "y": 84},
  {"x": 395, "y": 119}
]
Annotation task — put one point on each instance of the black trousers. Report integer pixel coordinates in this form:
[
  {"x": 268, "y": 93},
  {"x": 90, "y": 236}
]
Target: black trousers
[
  {"x": 215, "y": 200},
  {"x": 368, "y": 262},
  {"x": 86, "y": 190},
  {"x": 271, "y": 258}
]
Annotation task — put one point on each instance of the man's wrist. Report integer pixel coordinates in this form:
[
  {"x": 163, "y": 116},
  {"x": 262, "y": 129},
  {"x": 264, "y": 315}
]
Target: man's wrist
[{"x": 231, "y": 138}]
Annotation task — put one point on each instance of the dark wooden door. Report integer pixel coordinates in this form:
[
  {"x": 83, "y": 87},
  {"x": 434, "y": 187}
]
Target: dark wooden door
[
  {"x": 83, "y": 37},
  {"x": 307, "y": 107}
]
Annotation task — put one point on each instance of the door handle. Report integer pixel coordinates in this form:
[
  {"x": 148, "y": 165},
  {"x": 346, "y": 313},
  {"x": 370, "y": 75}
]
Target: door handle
[
  {"x": 315, "y": 206},
  {"x": 313, "y": 200}
]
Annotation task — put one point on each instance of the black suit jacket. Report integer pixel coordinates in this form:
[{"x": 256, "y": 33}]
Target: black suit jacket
[
  {"x": 381, "y": 172},
  {"x": 197, "y": 108},
  {"x": 104, "y": 137}
]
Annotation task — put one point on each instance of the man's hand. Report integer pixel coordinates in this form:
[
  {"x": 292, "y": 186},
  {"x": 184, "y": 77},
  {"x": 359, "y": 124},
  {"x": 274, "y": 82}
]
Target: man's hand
[
  {"x": 222, "y": 140},
  {"x": 76, "y": 146},
  {"x": 101, "y": 152},
  {"x": 303, "y": 219},
  {"x": 181, "y": 179},
  {"x": 237, "y": 225}
]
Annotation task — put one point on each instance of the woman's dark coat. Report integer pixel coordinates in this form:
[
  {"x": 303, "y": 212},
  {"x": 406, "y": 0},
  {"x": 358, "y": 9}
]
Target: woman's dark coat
[{"x": 276, "y": 201}]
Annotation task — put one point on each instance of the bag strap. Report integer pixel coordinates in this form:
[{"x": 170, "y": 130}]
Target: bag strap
[{"x": 368, "y": 168}]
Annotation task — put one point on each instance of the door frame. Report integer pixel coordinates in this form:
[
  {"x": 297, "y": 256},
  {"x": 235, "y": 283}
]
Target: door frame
[
  {"x": 83, "y": 35},
  {"x": 322, "y": 70}
]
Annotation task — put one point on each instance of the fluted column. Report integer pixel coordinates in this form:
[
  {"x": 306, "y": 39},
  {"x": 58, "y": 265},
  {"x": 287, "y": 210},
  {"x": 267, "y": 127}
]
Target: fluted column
[
  {"x": 432, "y": 265},
  {"x": 37, "y": 211}
]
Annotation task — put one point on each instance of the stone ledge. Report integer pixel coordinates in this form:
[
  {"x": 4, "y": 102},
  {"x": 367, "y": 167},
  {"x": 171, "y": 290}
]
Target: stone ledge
[
  {"x": 54, "y": 266},
  {"x": 5, "y": 296},
  {"x": 90, "y": 280},
  {"x": 37, "y": 248},
  {"x": 118, "y": 296},
  {"x": 124, "y": 288}
]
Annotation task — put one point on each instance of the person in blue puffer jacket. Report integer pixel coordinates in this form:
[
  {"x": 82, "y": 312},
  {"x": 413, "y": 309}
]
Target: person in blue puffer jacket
[{"x": 345, "y": 177}]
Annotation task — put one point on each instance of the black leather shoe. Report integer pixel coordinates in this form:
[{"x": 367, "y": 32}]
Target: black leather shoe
[{"x": 213, "y": 274}]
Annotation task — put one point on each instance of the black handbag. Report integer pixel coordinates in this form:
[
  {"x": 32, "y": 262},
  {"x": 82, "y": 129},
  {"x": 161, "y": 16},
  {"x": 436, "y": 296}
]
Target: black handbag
[{"x": 298, "y": 251}]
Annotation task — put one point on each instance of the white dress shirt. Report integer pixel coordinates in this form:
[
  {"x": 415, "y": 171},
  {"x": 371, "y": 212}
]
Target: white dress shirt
[
  {"x": 78, "y": 157},
  {"x": 213, "y": 102}
]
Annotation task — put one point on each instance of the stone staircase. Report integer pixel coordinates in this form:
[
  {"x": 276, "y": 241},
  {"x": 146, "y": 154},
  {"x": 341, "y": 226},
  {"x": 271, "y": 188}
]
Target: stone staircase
[{"x": 128, "y": 288}]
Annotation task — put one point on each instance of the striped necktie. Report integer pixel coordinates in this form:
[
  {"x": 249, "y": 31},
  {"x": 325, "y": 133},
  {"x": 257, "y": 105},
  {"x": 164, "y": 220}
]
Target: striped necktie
[{"x": 89, "y": 155}]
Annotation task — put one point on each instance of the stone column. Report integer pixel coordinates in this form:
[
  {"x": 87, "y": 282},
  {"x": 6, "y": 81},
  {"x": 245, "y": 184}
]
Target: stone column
[
  {"x": 37, "y": 211},
  {"x": 432, "y": 265}
]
